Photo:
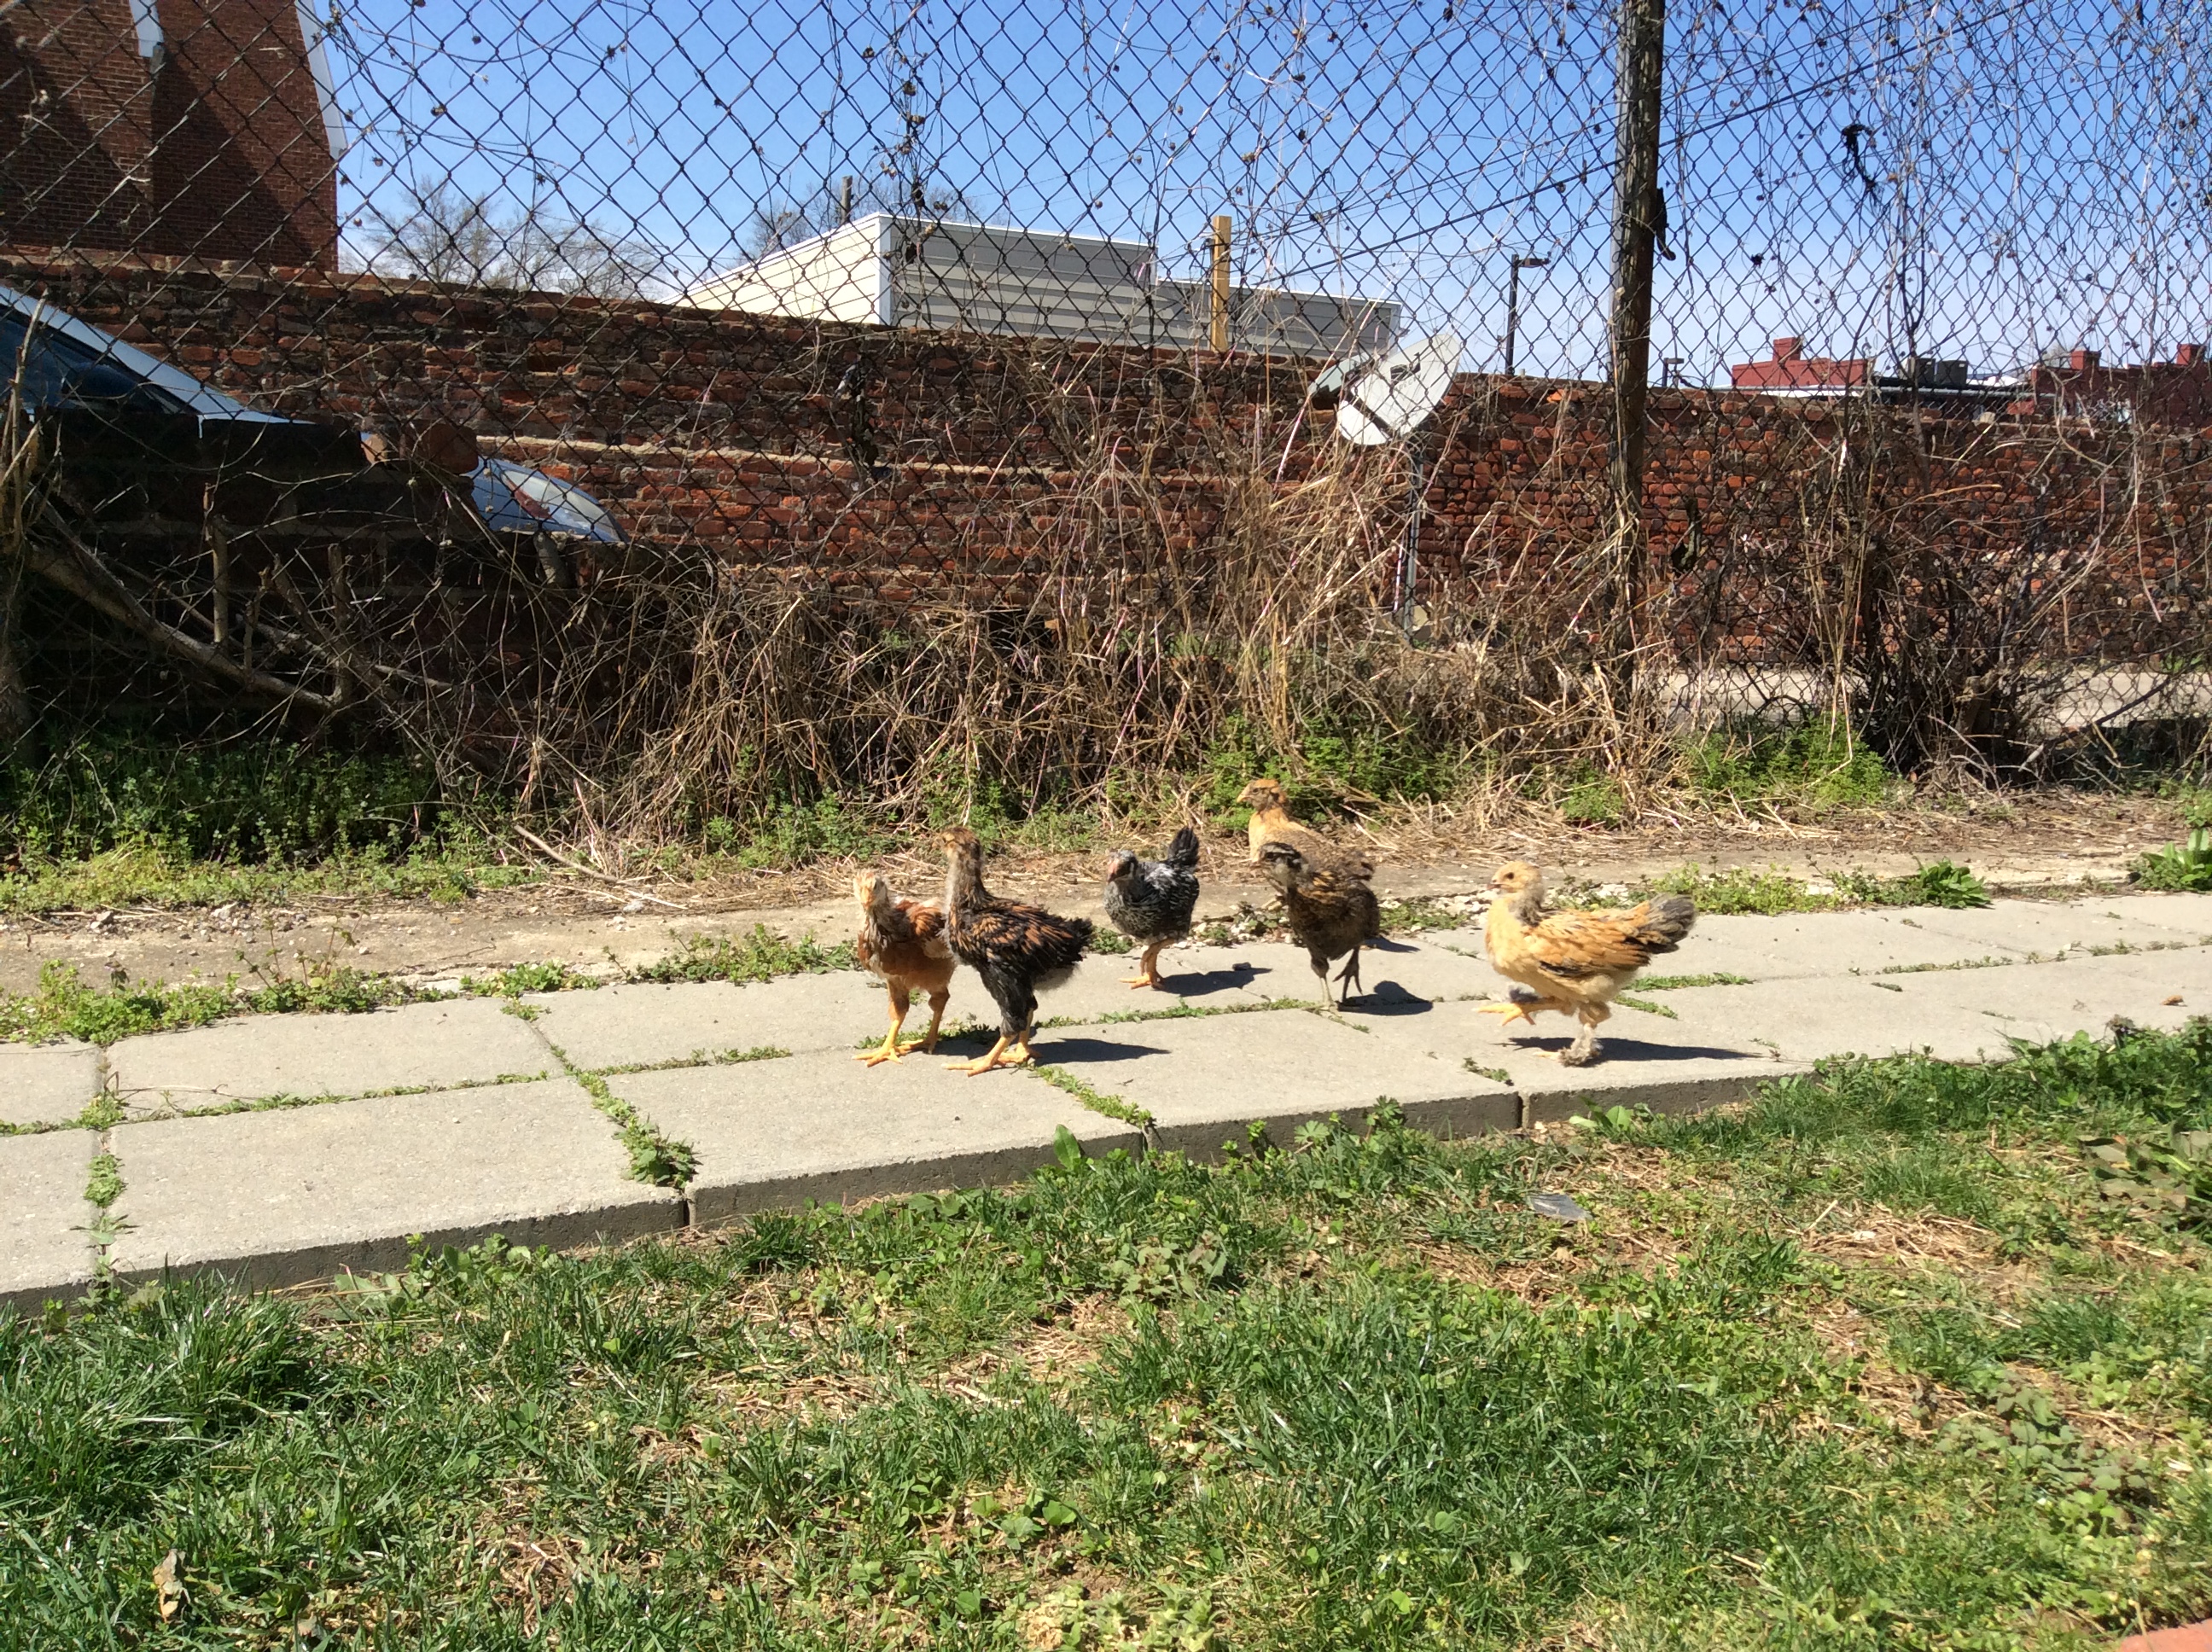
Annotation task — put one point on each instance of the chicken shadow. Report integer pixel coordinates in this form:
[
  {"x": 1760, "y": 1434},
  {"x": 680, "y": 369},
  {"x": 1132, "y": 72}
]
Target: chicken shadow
[
  {"x": 1053, "y": 1049},
  {"x": 1200, "y": 983},
  {"x": 1610, "y": 1050},
  {"x": 1387, "y": 998}
]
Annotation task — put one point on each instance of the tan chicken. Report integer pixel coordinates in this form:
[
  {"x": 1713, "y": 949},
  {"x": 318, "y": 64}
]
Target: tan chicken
[
  {"x": 1572, "y": 961},
  {"x": 1271, "y": 823},
  {"x": 902, "y": 943}
]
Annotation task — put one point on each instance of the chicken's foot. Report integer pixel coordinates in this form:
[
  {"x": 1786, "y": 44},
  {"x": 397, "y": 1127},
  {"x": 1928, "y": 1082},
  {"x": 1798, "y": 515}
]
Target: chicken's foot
[
  {"x": 1150, "y": 968},
  {"x": 1348, "y": 978},
  {"x": 997, "y": 1057},
  {"x": 890, "y": 1049}
]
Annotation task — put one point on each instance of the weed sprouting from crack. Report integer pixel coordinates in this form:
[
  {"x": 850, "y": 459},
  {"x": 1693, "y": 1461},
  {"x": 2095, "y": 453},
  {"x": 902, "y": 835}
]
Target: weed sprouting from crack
[
  {"x": 1097, "y": 1100},
  {"x": 655, "y": 1157}
]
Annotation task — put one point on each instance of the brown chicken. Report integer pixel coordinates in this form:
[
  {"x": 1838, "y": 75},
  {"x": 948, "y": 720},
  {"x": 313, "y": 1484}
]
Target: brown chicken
[
  {"x": 1018, "y": 949},
  {"x": 902, "y": 943},
  {"x": 1331, "y": 909},
  {"x": 1572, "y": 961}
]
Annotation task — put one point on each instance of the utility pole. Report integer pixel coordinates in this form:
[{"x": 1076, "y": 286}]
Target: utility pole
[
  {"x": 1220, "y": 329},
  {"x": 1636, "y": 223},
  {"x": 1513, "y": 303}
]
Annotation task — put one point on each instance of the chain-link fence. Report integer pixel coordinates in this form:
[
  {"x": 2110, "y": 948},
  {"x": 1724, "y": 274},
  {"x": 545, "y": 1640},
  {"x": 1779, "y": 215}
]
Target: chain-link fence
[{"x": 966, "y": 387}]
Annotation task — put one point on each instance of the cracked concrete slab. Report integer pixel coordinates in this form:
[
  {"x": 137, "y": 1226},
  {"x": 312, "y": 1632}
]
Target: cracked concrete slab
[
  {"x": 773, "y": 1134},
  {"x": 288, "y": 1194},
  {"x": 47, "y": 1083},
  {"x": 636, "y": 1024},
  {"x": 1204, "y": 1079},
  {"x": 461, "y": 1041},
  {"x": 45, "y": 1250}
]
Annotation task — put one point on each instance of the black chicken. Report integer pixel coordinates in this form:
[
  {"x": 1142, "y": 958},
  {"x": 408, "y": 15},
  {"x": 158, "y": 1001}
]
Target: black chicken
[
  {"x": 1016, "y": 950},
  {"x": 1331, "y": 909},
  {"x": 1151, "y": 901}
]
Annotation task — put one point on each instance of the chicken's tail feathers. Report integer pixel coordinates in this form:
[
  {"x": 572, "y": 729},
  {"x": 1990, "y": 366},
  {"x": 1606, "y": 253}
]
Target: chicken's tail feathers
[
  {"x": 1666, "y": 919},
  {"x": 1182, "y": 851}
]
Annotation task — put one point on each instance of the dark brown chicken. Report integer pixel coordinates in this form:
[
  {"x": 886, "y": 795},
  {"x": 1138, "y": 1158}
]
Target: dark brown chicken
[
  {"x": 902, "y": 942},
  {"x": 1019, "y": 951},
  {"x": 1332, "y": 910}
]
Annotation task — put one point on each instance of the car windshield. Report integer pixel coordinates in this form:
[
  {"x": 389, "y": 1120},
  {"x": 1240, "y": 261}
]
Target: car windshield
[{"x": 72, "y": 363}]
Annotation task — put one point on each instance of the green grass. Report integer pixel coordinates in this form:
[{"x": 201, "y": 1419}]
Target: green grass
[
  {"x": 1814, "y": 767},
  {"x": 1350, "y": 1393},
  {"x": 760, "y": 955},
  {"x": 1770, "y": 892}
]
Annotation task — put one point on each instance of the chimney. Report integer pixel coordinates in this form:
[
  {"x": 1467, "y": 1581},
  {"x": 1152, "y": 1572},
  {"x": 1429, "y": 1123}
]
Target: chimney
[
  {"x": 1789, "y": 350},
  {"x": 2190, "y": 355},
  {"x": 2082, "y": 360}
]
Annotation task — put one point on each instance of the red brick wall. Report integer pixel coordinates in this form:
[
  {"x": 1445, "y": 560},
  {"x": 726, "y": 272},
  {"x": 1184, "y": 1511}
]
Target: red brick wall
[
  {"x": 76, "y": 125},
  {"x": 724, "y": 429},
  {"x": 242, "y": 162}
]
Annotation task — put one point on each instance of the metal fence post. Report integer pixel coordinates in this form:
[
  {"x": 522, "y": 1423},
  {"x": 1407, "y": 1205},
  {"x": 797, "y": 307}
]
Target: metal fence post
[{"x": 1636, "y": 221}]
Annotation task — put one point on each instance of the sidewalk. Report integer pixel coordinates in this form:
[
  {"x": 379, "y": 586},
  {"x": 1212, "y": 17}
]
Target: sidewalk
[{"x": 283, "y": 1149}]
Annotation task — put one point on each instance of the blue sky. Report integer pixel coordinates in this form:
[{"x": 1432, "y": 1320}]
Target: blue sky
[{"x": 2025, "y": 177}]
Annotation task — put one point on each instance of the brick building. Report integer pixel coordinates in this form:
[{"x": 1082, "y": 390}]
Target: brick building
[
  {"x": 190, "y": 128},
  {"x": 1793, "y": 373}
]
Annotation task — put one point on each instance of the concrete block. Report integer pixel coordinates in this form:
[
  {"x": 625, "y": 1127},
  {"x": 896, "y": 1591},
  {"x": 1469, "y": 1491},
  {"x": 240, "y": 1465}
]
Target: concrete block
[
  {"x": 1205, "y": 1078},
  {"x": 773, "y": 1134},
  {"x": 2078, "y": 994},
  {"x": 636, "y": 1025},
  {"x": 46, "y": 1084},
  {"x": 288, "y": 1194},
  {"x": 1189, "y": 974},
  {"x": 45, "y": 1252},
  {"x": 1797, "y": 945},
  {"x": 2048, "y": 929},
  {"x": 1648, "y": 1061},
  {"x": 2190, "y": 915},
  {"x": 1806, "y": 1020},
  {"x": 468, "y": 1041}
]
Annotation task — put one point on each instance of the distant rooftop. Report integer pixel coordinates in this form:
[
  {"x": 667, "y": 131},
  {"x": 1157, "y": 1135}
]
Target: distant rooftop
[{"x": 896, "y": 270}]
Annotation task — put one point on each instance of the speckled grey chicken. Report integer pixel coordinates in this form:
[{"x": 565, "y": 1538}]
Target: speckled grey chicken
[
  {"x": 1018, "y": 949},
  {"x": 1151, "y": 901},
  {"x": 1332, "y": 910}
]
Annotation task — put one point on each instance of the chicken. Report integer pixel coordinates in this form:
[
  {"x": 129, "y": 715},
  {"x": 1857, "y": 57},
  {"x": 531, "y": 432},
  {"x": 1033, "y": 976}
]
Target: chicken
[
  {"x": 1271, "y": 823},
  {"x": 902, "y": 943},
  {"x": 1572, "y": 961},
  {"x": 1018, "y": 949},
  {"x": 1332, "y": 910},
  {"x": 1151, "y": 901}
]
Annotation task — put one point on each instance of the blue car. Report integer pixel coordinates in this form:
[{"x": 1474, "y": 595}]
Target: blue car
[{"x": 74, "y": 367}]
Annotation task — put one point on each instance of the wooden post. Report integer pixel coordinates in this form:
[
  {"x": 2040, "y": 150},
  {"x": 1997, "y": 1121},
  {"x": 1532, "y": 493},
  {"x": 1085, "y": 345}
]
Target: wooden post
[
  {"x": 1635, "y": 230},
  {"x": 1221, "y": 284}
]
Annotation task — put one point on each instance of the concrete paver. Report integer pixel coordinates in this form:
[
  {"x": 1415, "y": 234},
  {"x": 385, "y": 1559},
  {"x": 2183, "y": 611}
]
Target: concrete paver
[
  {"x": 771, "y": 1134},
  {"x": 46, "y": 1084},
  {"x": 1390, "y": 974},
  {"x": 470, "y": 1041},
  {"x": 1190, "y": 974},
  {"x": 632, "y": 1025},
  {"x": 44, "y": 1250},
  {"x": 1794, "y": 946},
  {"x": 1204, "y": 1078},
  {"x": 287, "y": 1194},
  {"x": 2049, "y": 928},
  {"x": 2190, "y": 914},
  {"x": 1669, "y": 1066}
]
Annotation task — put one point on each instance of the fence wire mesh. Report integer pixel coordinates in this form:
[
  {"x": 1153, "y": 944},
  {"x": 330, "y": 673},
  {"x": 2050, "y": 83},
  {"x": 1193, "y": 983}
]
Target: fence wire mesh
[{"x": 948, "y": 374}]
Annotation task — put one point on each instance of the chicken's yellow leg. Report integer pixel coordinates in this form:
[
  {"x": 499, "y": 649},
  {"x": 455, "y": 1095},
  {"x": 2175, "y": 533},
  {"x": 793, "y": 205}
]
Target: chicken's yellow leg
[
  {"x": 890, "y": 1049},
  {"x": 1150, "y": 968},
  {"x": 937, "y": 1003},
  {"x": 1511, "y": 1009}
]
